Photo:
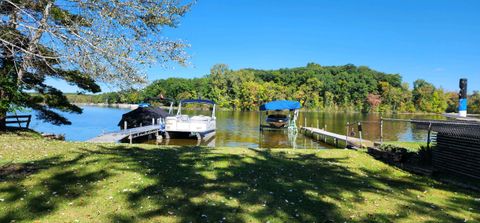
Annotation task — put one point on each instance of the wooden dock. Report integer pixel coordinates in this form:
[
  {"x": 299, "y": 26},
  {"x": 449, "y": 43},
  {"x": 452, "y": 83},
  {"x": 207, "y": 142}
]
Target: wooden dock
[
  {"x": 322, "y": 135},
  {"x": 113, "y": 137}
]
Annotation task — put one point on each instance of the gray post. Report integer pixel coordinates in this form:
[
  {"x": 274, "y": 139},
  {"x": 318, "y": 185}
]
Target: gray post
[
  {"x": 199, "y": 137},
  {"x": 346, "y": 136},
  {"x": 131, "y": 139},
  {"x": 125, "y": 125},
  {"x": 153, "y": 121},
  {"x": 360, "y": 133},
  {"x": 325, "y": 137},
  {"x": 158, "y": 137},
  {"x": 381, "y": 130},
  {"x": 429, "y": 133}
]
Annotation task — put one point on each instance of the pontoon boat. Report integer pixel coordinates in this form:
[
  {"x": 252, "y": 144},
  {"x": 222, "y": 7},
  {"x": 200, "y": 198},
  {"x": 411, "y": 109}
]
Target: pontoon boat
[{"x": 198, "y": 125}]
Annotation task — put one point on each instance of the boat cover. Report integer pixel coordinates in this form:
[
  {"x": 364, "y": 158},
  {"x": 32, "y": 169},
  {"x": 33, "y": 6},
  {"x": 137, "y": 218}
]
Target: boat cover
[
  {"x": 280, "y": 105},
  {"x": 142, "y": 115}
]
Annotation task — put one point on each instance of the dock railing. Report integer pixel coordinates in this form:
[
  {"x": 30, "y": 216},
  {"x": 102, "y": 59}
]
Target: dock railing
[{"x": 353, "y": 129}]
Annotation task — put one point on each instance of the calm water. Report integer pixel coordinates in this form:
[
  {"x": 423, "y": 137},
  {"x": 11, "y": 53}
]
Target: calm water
[{"x": 241, "y": 128}]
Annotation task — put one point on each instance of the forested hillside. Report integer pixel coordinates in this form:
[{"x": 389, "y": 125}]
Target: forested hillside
[{"x": 324, "y": 88}]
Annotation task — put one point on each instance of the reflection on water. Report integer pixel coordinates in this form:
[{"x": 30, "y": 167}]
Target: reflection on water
[
  {"x": 241, "y": 129},
  {"x": 210, "y": 142}
]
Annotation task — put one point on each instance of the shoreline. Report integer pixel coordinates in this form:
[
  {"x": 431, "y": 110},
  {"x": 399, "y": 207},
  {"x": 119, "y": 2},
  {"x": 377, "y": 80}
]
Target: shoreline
[
  {"x": 135, "y": 106},
  {"x": 105, "y": 105}
]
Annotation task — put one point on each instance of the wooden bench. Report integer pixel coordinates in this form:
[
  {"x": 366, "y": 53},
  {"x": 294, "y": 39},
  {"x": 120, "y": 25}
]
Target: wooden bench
[{"x": 19, "y": 119}]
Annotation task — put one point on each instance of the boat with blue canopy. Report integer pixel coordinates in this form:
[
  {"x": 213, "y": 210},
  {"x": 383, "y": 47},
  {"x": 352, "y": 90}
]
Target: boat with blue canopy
[{"x": 280, "y": 114}]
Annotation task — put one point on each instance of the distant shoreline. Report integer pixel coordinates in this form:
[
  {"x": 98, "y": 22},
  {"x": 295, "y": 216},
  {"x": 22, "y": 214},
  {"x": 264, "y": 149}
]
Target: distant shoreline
[
  {"x": 128, "y": 106},
  {"x": 134, "y": 106}
]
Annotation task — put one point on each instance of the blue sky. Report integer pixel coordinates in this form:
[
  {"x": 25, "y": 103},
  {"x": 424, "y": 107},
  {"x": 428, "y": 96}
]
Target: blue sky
[{"x": 435, "y": 40}]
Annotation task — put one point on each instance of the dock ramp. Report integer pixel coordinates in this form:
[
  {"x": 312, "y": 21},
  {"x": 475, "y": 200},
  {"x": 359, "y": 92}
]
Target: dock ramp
[{"x": 117, "y": 136}]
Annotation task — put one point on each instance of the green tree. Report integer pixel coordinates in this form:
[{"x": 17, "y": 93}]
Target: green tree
[
  {"x": 310, "y": 93},
  {"x": 82, "y": 42},
  {"x": 219, "y": 84},
  {"x": 439, "y": 101},
  {"x": 316, "y": 87},
  {"x": 422, "y": 95},
  {"x": 452, "y": 101},
  {"x": 474, "y": 103}
]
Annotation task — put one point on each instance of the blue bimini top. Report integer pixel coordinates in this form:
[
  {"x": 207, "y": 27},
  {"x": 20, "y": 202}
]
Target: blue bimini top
[
  {"x": 203, "y": 101},
  {"x": 280, "y": 105}
]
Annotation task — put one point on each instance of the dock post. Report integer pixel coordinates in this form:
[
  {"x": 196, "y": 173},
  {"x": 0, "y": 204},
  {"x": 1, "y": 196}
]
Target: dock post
[
  {"x": 428, "y": 136},
  {"x": 360, "y": 133},
  {"x": 125, "y": 125},
  {"x": 346, "y": 135},
  {"x": 325, "y": 137},
  {"x": 153, "y": 121},
  {"x": 158, "y": 137},
  {"x": 199, "y": 136},
  {"x": 381, "y": 130},
  {"x": 130, "y": 138}
]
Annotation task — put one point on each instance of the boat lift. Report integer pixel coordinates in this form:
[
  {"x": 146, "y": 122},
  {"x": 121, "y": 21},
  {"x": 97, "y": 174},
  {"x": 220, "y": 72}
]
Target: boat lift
[{"x": 287, "y": 121}]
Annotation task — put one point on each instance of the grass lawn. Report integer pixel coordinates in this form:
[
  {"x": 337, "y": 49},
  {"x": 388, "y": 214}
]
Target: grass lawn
[{"x": 52, "y": 181}]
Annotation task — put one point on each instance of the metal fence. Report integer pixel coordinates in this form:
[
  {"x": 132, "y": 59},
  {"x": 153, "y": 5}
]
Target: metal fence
[{"x": 457, "y": 147}]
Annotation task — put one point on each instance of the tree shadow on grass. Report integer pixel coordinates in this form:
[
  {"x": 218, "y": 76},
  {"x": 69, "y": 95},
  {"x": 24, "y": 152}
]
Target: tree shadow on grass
[
  {"x": 197, "y": 185},
  {"x": 191, "y": 184},
  {"x": 59, "y": 180},
  {"x": 414, "y": 203}
]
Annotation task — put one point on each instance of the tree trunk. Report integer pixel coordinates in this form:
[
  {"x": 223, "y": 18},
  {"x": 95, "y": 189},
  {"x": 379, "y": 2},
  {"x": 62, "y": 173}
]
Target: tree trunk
[
  {"x": 3, "y": 115},
  {"x": 3, "y": 106}
]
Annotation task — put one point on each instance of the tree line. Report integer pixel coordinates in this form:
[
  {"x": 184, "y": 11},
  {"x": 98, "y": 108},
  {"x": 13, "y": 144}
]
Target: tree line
[{"x": 316, "y": 87}]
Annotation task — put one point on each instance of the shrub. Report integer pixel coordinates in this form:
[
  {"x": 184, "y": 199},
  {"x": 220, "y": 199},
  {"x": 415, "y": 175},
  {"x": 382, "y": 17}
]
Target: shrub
[
  {"x": 425, "y": 155},
  {"x": 397, "y": 154}
]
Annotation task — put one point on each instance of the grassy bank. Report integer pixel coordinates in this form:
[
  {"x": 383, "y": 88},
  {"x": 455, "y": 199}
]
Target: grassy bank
[
  {"x": 410, "y": 146},
  {"x": 53, "y": 181}
]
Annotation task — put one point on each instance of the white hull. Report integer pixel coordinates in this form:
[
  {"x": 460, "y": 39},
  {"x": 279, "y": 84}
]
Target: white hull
[
  {"x": 199, "y": 125},
  {"x": 194, "y": 124}
]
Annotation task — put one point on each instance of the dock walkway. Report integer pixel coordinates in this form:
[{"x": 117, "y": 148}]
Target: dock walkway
[
  {"x": 322, "y": 134},
  {"x": 117, "y": 136}
]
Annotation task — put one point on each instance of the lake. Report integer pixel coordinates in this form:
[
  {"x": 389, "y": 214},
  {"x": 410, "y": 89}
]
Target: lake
[{"x": 240, "y": 129}]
